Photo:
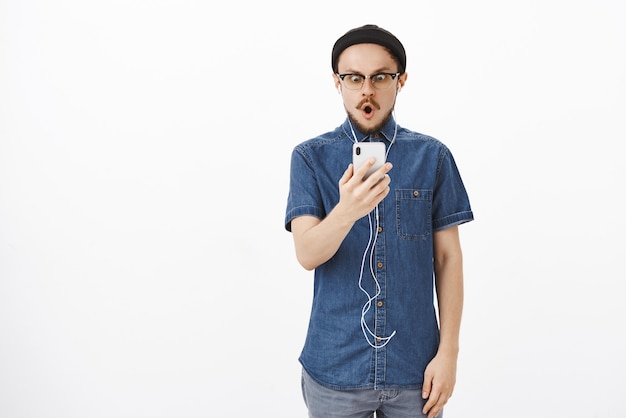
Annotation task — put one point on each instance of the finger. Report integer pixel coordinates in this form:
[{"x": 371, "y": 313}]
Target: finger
[
  {"x": 380, "y": 174},
  {"x": 434, "y": 413},
  {"x": 384, "y": 169},
  {"x": 383, "y": 182},
  {"x": 426, "y": 387},
  {"x": 442, "y": 398},
  {"x": 426, "y": 392},
  {"x": 382, "y": 188},
  {"x": 429, "y": 407},
  {"x": 435, "y": 410},
  {"x": 360, "y": 173},
  {"x": 380, "y": 197},
  {"x": 346, "y": 175}
]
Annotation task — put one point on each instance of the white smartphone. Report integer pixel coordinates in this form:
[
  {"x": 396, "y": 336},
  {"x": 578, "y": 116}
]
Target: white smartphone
[{"x": 363, "y": 151}]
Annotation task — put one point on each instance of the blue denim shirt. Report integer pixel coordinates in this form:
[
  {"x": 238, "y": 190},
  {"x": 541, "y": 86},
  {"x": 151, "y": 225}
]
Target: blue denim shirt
[{"x": 427, "y": 195}]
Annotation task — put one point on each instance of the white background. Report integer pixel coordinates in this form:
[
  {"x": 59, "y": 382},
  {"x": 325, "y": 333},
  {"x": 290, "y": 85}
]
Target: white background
[{"x": 144, "y": 157}]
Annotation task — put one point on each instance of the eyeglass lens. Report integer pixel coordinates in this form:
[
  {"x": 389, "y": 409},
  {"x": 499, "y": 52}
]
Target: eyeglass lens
[{"x": 355, "y": 81}]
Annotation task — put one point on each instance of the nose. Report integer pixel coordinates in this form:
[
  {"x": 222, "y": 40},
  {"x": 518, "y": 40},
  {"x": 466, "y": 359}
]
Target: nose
[{"x": 368, "y": 88}]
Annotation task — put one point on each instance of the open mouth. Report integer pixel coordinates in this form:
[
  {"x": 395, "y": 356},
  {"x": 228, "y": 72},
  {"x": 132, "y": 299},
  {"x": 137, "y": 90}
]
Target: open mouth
[
  {"x": 368, "y": 111},
  {"x": 368, "y": 108}
]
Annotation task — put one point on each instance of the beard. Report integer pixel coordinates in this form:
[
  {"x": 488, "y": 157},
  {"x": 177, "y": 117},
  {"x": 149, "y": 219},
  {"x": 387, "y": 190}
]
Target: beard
[{"x": 370, "y": 130}]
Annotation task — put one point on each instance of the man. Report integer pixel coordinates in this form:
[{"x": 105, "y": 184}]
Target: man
[{"x": 380, "y": 248}]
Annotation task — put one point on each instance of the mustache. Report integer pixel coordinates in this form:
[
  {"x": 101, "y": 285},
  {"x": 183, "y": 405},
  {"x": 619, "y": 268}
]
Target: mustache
[{"x": 370, "y": 101}]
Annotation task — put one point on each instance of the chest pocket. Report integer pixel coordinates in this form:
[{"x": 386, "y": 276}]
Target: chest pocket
[{"x": 413, "y": 213}]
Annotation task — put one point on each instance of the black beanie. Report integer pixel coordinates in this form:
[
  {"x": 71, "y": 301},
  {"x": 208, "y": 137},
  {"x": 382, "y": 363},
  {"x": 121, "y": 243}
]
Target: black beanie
[{"x": 370, "y": 34}]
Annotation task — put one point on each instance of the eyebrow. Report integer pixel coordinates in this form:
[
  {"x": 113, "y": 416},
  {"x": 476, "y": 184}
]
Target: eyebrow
[{"x": 380, "y": 70}]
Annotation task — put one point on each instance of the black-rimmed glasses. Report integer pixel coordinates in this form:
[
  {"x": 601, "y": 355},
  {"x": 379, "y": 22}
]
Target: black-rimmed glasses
[{"x": 379, "y": 80}]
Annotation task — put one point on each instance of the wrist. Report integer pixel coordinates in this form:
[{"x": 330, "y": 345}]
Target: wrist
[
  {"x": 448, "y": 350},
  {"x": 341, "y": 216}
]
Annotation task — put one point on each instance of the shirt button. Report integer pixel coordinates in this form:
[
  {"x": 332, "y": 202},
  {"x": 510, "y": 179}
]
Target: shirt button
[
  {"x": 380, "y": 303},
  {"x": 380, "y": 229},
  {"x": 379, "y": 339},
  {"x": 380, "y": 265},
  {"x": 415, "y": 193}
]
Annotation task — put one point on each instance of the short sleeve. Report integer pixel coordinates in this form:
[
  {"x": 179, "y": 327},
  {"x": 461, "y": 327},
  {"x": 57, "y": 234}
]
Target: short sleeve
[
  {"x": 304, "y": 195},
  {"x": 451, "y": 205}
]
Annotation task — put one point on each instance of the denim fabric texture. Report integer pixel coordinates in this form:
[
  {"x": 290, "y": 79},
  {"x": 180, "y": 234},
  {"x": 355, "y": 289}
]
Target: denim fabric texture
[
  {"x": 323, "y": 402},
  {"x": 427, "y": 195}
]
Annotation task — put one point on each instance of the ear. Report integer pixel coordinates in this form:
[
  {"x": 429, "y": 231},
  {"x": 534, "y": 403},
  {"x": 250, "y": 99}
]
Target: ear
[
  {"x": 401, "y": 80},
  {"x": 337, "y": 81}
]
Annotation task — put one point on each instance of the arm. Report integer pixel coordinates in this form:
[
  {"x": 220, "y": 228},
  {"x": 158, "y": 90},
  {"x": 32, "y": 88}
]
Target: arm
[
  {"x": 316, "y": 240},
  {"x": 440, "y": 374}
]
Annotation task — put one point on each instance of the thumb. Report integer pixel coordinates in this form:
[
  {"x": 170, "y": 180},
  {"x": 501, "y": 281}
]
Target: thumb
[
  {"x": 346, "y": 175},
  {"x": 426, "y": 387}
]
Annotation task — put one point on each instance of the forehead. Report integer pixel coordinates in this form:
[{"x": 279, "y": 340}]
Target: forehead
[{"x": 366, "y": 58}]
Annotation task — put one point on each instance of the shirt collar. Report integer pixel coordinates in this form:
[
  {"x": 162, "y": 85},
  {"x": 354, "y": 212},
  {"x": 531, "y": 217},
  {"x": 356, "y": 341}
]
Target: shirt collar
[{"x": 385, "y": 134}]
